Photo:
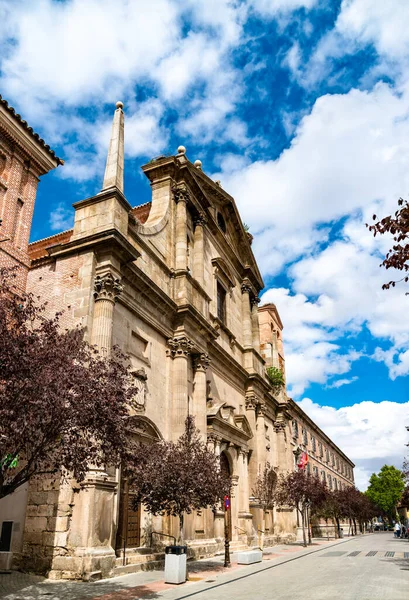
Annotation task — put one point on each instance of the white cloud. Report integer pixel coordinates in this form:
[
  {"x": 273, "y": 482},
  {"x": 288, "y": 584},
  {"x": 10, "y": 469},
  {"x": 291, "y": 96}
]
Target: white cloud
[
  {"x": 85, "y": 50},
  {"x": 341, "y": 382},
  {"x": 63, "y": 62},
  {"x": 277, "y": 7},
  {"x": 61, "y": 218},
  {"x": 371, "y": 434},
  {"x": 384, "y": 24},
  {"x": 348, "y": 159}
]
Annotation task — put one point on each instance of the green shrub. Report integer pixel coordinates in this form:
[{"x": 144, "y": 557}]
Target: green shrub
[{"x": 275, "y": 376}]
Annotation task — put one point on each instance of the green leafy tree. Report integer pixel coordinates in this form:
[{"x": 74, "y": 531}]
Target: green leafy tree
[{"x": 386, "y": 489}]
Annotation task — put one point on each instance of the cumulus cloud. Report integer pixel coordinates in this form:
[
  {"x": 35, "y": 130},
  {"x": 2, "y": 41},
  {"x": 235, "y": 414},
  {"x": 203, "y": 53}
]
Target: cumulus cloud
[
  {"x": 61, "y": 218},
  {"x": 348, "y": 159},
  {"x": 371, "y": 434},
  {"x": 62, "y": 83}
]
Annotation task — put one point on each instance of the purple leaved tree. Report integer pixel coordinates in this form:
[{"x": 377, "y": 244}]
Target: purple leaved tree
[
  {"x": 63, "y": 406},
  {"x": 176, "y": 478}
]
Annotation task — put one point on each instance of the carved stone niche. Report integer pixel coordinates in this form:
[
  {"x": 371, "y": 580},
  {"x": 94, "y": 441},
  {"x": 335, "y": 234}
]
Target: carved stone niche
[{"x": 140, "y": 383}]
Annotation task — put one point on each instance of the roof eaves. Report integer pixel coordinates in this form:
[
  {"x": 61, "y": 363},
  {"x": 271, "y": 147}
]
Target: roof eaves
[{"x": 30, "y": 130}]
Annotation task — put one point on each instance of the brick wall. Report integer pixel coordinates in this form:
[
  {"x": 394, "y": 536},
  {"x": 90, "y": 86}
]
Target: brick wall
[{"x": 18, "y": 188}]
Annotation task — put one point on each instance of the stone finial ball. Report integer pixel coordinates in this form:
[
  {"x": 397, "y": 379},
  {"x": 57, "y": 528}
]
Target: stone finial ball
[
  {"x": 198, "y": 164},
  {"x": 119, "y": 104},
  {"x": 181, "y": 150}
]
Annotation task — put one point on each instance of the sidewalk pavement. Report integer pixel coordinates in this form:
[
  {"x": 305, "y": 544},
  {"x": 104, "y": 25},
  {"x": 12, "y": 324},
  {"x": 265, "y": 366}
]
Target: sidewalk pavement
[{"x": 148, "y": 584}]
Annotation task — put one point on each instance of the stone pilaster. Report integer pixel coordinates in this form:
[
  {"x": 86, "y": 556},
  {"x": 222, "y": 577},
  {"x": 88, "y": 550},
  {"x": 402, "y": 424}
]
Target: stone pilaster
[
  {"x": 246, "y": 316},
  {"x": 200, "y": 364},
  {"x": 198, "y": 256},
  {"x": 260, "y": 433},
  {"x": 179, "y": 348},
  {"x": 181, "y": 197},
  {"x": 251, "y": 406},
  {"x": 255, "y": 329}
]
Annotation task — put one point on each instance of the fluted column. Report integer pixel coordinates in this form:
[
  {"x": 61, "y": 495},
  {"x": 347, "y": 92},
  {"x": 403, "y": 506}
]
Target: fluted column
[
  {"x": 200, "y": 364},
  {"x": 198, "y": 255},
  {"x": 246, "y": 315},
  {"x": 181, "y": 197},
  {"x": 255, "y": 328},
  {"x": 179, "y": 349},
  {"x": 107, "y": 289}
]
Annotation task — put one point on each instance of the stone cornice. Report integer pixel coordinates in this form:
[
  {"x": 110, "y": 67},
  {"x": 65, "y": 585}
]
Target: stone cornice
[{"x": 110, "y": 237}]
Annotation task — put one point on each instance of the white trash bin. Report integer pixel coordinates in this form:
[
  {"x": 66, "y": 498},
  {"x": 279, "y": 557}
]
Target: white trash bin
[{"x": 175, "y": 564}]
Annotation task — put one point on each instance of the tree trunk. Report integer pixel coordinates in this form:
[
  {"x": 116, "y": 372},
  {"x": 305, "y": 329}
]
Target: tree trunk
[
  {"x": 181, "y": 522},
  {"x": 338, "y": 526},
  {"x": 304, "y": 536},
  {"x": 309, "y": 526}
]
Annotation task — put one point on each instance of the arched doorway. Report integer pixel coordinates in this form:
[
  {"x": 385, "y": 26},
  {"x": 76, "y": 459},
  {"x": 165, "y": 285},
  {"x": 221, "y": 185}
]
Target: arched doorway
[
  {"x": 226, "y": 470},
  {"x": 128, "y": 533}
]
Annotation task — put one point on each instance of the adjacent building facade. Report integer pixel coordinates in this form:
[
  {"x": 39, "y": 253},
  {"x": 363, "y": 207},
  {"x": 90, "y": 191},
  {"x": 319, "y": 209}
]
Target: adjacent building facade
[{"x": 175, "y": 284}]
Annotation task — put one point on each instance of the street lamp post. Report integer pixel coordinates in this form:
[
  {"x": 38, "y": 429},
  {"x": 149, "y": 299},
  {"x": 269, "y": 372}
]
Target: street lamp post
[{"x": 227, "y": 562}]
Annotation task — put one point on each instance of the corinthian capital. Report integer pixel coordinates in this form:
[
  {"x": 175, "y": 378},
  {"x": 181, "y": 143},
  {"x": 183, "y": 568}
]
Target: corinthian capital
[
  {"x": 251, "y": 401},
  {"x": 279, "y": 426},
  {"x": 180, "y": 193},
  {"x": 107, "y": 287},
  {"x": 201, "y": 362},
  {"x": 179, "y": 346},
  {"x": 200, "y": 219}
]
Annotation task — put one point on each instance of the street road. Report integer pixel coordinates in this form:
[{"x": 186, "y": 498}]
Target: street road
[{"x": 357, "y": 569}]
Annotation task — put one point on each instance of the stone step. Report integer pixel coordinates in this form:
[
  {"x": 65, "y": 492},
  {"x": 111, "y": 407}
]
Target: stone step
[
  {"x": 154, "y": 565},
  {"x": 139, "y": 559}
]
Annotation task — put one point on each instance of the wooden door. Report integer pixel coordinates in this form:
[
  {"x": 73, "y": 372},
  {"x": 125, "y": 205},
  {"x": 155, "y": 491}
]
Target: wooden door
[{"x": 129, "y": 523}]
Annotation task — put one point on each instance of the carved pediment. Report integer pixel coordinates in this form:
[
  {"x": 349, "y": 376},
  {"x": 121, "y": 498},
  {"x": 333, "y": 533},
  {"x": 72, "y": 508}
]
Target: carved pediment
[
  {"x": 143, "y": 428},
  {"x": 223, "y": 271},
  {"x": 222, "y": 420}
]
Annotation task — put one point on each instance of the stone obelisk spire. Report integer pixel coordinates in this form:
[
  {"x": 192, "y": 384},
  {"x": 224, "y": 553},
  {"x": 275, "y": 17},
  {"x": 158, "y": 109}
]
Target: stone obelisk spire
[{"x": 114, "y": 170}]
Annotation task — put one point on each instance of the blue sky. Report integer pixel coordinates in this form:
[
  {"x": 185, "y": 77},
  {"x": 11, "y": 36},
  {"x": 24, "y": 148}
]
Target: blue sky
[{"x": 301, "y": 109}]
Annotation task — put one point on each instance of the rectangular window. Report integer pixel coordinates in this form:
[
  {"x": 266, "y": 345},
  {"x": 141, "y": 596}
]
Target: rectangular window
[
  {"x": 313, "y": 444},
  {"x": 320, "y": 450},
  {"x": 295, "y": 429},
  {"x": 304, "y": 437},
  {"x": 221, "y": 303}
]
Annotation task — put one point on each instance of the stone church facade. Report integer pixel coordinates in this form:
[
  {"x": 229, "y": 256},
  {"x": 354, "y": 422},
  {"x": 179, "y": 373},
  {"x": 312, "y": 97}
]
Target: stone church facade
[{"x": 175, "y": 284}]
